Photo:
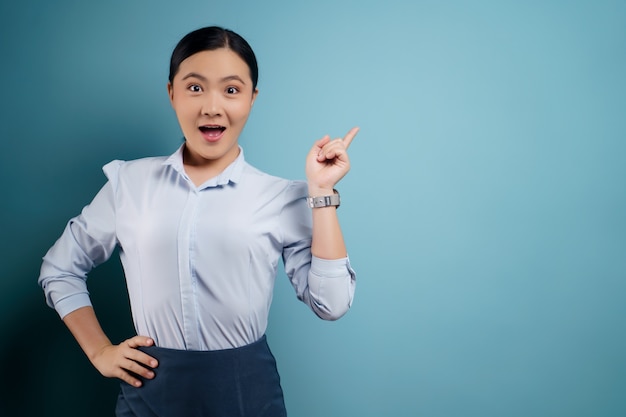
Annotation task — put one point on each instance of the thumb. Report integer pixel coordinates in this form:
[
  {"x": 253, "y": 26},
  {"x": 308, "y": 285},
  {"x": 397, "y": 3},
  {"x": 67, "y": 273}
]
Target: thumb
[{"x": 318, "y": 145}]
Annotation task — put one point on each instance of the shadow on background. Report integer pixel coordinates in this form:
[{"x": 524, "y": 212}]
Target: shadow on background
[{"x": 38, "y": 346}]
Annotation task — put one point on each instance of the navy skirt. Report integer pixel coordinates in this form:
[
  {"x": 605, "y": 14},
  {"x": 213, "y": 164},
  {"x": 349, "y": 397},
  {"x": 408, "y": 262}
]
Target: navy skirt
[{"x": 240, "y": 382}]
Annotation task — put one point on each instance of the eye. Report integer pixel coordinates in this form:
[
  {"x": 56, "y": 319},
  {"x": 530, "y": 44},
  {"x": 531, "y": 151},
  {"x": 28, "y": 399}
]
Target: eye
[
  {"x": 232, "y": 90},
  {"x": 195, "y": 88}
]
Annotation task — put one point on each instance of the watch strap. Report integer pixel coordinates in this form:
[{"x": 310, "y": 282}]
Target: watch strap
[{"x": 325, "y": 200}]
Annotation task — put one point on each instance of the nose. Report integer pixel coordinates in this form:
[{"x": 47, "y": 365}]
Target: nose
[{"x": 212, "y": 106}]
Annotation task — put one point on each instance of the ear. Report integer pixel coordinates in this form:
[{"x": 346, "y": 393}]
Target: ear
[
  {"x": 170, "y": 92},
  {"x": 255, "y": 93}
]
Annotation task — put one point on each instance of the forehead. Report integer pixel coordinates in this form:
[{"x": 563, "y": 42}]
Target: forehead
[{"x": 216, "y": 63}]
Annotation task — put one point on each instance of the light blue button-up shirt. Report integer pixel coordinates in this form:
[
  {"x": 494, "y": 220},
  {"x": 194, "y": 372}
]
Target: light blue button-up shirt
[{"x": 200, "y": 262}]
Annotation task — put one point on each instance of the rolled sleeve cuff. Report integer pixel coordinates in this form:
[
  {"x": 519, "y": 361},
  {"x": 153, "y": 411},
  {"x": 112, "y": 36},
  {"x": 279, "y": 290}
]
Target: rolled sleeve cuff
[
  {"x": 331, "y": 285},
  {"x": 71, "y": 303},
  {"x": 331, "y": 268}
]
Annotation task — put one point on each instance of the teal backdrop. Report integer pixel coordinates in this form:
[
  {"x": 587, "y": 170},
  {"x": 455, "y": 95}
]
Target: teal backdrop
[{"x": 485, "y": 212}]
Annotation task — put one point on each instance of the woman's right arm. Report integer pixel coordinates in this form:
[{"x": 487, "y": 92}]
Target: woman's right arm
[
  {"x": 88, "y": 240},
  {"x": 113, "y": 361}
]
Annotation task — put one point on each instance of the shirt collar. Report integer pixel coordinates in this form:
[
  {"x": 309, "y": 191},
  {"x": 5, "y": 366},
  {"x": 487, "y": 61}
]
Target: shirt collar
[{"x": 232, "y": 173}]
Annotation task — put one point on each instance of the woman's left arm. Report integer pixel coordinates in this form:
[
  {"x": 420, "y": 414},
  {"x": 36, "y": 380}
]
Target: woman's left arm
[{"x": 326, "y": 164}]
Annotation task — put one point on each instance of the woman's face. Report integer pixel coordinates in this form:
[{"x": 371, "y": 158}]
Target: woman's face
[{"x": 212, "y": 96}]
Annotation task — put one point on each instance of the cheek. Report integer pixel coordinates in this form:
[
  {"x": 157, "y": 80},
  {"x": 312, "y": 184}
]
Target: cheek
[
  {"x": 184, "y": 109},
  {"x": 186, "y": 120},
  {"x": 241, "y": 111}
]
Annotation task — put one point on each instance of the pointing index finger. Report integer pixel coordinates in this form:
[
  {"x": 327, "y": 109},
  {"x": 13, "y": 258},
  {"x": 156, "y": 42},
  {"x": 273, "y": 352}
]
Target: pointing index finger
[{"x": 349, "y": 136}]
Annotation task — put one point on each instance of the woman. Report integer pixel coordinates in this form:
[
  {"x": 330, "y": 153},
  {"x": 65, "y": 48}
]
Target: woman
[{"x": 200, "y": 236}]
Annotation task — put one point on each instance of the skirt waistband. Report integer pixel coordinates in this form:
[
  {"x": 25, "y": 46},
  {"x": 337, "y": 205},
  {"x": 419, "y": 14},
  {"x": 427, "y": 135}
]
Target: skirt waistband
[{"x": 180, "y": 354}]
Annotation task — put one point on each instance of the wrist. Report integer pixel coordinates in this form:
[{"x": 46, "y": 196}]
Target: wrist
[
  {"x": 315, "y": 191},
  {"x": 96, "y": 352}
]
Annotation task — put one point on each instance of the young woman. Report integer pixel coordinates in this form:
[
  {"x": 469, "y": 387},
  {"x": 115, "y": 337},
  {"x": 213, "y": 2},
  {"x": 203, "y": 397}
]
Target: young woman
[{"x": 200, "y": 234}]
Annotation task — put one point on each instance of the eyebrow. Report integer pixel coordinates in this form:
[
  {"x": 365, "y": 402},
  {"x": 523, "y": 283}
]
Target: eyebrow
[{"x": 204, "y": 79}]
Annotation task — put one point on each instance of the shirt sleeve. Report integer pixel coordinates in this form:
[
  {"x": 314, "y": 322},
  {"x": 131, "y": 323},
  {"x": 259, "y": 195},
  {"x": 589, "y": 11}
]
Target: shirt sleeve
[
  {"x": 326, "y": 286},
  {"x": 88, "y": 240}
]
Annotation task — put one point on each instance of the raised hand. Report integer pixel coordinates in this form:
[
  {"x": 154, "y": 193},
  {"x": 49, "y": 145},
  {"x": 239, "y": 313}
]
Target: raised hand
[{"x": 327, "y": 162}]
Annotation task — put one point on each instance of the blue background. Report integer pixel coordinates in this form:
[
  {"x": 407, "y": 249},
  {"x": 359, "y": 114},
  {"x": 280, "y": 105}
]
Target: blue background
[{"x": 485, "y": 211}]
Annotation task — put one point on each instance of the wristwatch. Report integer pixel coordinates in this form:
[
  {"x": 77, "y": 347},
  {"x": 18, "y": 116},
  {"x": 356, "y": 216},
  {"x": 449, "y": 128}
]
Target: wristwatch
[{"x": 325, "y": 200}]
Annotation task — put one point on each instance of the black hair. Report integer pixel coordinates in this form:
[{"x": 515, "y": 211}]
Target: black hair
[{"x": 209, "y": 39}]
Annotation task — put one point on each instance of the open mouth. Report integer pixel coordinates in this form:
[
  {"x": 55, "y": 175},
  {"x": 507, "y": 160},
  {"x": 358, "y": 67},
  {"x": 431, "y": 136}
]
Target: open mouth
[{"x": 212, "y": 132}]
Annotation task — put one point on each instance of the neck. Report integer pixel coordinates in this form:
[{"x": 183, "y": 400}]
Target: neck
[{"x": 200, "y": 169}]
